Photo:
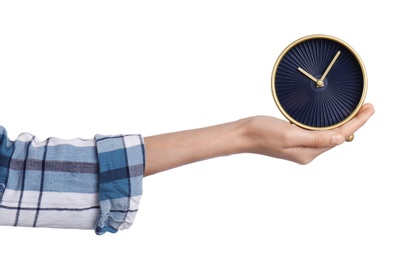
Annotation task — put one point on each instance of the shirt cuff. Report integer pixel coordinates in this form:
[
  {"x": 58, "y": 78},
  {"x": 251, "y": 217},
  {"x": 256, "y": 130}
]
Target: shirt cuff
[{"x": 121, "y": 161}]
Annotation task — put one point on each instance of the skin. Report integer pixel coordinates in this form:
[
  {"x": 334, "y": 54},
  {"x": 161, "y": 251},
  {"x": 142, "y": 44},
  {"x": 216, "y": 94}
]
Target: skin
[{"x": 263, "y": 135}]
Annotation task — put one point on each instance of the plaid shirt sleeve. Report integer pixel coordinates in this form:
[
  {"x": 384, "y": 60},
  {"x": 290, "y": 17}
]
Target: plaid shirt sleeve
[{"x": 76, "y": 183}]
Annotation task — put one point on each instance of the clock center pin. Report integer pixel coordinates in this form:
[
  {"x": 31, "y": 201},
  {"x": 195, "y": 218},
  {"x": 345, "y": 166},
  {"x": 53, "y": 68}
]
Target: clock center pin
[{"x": 320, "y": 83}]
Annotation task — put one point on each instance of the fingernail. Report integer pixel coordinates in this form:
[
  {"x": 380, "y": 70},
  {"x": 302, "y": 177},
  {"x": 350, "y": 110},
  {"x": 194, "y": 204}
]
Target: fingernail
[{"x": 338, "y": 139}]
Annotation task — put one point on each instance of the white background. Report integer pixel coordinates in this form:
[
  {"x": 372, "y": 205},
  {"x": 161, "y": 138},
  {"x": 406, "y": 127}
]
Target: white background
[{"x": 77, "y": 68}]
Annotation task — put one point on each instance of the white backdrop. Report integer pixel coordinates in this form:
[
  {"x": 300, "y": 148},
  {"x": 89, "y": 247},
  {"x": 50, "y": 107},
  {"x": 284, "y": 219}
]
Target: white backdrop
[{"x": 77, "y": 68}]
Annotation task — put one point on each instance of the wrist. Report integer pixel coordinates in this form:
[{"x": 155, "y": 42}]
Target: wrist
[{"x": 244, "y": 133}]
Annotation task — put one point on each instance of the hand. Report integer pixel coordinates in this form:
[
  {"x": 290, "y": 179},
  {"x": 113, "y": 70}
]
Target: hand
[
  {"x": 259, "y": 134},
  {"x": 308, "y": 75},
  {"x": 320, "y": 82},
  {"x": 281, "y": 139}
]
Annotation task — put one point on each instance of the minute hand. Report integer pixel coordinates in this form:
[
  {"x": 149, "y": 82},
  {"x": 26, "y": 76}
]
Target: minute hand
[{"x": 321, "y": 80}]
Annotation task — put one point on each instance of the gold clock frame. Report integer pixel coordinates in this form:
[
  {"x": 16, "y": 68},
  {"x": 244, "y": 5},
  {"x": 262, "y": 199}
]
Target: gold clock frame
[{"x": 361, "y": 64}]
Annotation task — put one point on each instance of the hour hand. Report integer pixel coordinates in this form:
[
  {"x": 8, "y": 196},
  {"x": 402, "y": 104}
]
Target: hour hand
[{"x": 308, "y": 75}]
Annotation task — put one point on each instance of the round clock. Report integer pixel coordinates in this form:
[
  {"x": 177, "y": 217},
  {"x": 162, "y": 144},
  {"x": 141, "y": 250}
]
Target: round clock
[{"x": 319, "y": 82}]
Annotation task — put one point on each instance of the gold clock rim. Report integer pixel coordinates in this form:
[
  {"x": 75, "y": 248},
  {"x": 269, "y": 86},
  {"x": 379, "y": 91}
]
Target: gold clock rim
[{"x": 328, "y": 37}]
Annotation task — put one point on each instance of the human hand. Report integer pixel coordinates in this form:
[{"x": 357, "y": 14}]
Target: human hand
[
  {"x": 280, "y": 139},
  {"x": 259, "y": 134}
]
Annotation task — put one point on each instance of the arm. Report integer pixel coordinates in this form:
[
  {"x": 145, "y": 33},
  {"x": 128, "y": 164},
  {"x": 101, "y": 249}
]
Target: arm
[
  {"x": 75, "y": 183},
  {"x": 260, "y": 135}
]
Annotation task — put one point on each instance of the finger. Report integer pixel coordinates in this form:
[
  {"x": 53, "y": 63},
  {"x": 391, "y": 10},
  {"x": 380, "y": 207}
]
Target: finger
[
  {"x": 358, "y": 121},
  {"x": 319, "y": 139},
  {"x": 331, "y": 138}
]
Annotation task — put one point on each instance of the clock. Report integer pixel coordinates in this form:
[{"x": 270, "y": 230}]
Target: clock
[{"x": 319, "y": 82}]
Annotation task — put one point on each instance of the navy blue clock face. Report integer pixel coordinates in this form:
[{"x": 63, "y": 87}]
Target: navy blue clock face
[{"x": 319, "y": 82}]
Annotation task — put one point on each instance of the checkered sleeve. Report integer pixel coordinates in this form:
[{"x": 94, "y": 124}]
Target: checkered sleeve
[
  {"x": 76, "y": 183},
  {"x": 121, "y": 168}
]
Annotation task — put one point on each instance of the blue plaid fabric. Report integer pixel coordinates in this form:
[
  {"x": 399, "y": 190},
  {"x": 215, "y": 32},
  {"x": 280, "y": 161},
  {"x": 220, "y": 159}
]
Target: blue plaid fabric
[{"x": 77, "y": 183}]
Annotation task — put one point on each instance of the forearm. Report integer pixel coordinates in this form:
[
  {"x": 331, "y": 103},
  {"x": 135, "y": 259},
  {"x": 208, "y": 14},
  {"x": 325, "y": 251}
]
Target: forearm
[
  {"x": 171, "y": 150},
  {"x": 259, "y": 134}
]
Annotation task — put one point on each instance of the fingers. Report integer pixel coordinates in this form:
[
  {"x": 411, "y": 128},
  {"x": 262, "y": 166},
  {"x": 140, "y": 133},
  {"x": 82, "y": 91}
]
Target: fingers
[
  {"x": 331, "y": 138},
  {"x": 319, "y": 139},
  {"x": 358, "y": 121}
]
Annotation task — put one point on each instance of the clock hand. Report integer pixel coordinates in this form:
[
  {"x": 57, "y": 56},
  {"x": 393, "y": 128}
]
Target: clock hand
[
  {"x": 308, "y": 75},
  {"x": 320, "y": 82}
]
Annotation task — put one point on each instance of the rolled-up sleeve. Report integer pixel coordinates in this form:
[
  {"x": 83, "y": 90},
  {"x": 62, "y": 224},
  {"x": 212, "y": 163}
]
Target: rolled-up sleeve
[
  {"x": 121, "y": 168},
  {"x": 71, "y": 183}
]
